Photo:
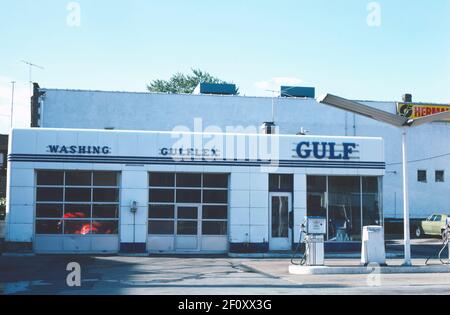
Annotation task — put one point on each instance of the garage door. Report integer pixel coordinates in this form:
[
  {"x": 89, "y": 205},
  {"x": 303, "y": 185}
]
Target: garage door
[
  {"x": 188, "y": 212},
  {"x": 77, "y": 212}
]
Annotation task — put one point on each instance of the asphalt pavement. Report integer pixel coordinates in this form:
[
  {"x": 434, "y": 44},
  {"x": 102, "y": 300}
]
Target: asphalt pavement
[{"x": 47, "y": 274}]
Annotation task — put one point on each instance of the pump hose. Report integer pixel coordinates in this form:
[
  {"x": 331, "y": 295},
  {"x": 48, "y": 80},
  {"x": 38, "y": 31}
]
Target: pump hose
[
  {"x": 444, "y": 245},
  {"x": 297, "y": 249},
  {"x": 440, "y": 253}
]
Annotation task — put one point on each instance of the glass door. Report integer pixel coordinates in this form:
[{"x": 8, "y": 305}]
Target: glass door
[
  {"x": 280, "y": 232},
  {"x": 187, "y": 233}
]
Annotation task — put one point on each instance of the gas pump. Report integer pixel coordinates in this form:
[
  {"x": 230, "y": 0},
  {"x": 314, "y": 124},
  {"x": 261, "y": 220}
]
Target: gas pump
[
  {"x": 446, "y": 244},
  {"x": 314, "y": 229}
]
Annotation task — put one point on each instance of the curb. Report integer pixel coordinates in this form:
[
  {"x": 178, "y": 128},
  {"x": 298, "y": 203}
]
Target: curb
[
  {"x": 323, "y": 270},
  {"x": 327, "y": 256}
]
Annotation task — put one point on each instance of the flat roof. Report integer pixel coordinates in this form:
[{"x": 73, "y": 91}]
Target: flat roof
[
  {"x": 192, "y": 133},
  {"x": 196, "y": 95}
]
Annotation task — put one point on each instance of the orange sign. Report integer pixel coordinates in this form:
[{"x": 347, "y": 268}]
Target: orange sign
[{"x": 413, "y": 111}]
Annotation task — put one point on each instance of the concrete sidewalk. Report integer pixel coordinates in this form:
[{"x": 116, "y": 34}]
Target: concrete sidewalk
[
  {"x": 353, "y": 267},
  {"x": 282, "y": 267}
]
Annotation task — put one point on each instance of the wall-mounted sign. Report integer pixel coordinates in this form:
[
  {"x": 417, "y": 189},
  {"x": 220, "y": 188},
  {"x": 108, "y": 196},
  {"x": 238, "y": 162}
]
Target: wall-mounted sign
[
  {"x": 413, "y": 111},
  {"x": 326, "y": 150},
  {"x": 78, "y": 149},
  {"x": 191, "y": 152}
]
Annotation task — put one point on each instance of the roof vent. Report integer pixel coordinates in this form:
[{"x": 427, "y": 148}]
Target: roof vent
[
  {"x": 298, "y": 91},
  {"x": 302, "y": 132},
  {"x": 215, "y": 89},
  {"x": 269, "y": 128}
]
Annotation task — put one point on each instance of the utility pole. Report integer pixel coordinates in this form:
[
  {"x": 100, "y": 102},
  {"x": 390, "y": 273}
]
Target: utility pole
[
  {"x": 13, "y": 83},
  {"x": 406, "y": 223}
]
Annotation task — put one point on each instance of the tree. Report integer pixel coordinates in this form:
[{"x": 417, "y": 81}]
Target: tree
[{"x": 184, "y": 83}]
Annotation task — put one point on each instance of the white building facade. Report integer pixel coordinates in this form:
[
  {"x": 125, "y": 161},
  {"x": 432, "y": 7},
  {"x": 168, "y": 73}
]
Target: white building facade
[
  {"x": 429, "y": 151},
  {"x": 110, "y": 191}
]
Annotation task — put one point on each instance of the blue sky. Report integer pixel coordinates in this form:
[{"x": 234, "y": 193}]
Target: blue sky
[{"x": 258, "y": 44}]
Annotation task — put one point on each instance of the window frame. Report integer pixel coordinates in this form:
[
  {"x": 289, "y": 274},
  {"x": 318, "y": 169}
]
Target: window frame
[
  {"x": 200, "y": 220},
  {"x": 320, "y": 185},
  {"x": 441, "y": 178},
  {"x": 91, "y": 203},
  {"x": 422, "y": 172}
]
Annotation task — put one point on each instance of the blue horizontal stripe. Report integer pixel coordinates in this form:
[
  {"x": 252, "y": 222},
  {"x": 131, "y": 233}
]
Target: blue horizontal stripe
[{"x": 193, "y": 161}]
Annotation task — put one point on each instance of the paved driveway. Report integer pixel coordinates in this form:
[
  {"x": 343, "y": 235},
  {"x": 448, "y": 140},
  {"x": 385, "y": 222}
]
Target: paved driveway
[{"x": 194, "y": 276}]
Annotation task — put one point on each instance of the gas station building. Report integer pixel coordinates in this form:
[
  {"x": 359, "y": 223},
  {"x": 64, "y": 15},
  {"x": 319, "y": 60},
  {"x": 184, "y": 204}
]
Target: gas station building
[
  {"x": 112, "y": 172},
  {"x": 103, "y": 191}
]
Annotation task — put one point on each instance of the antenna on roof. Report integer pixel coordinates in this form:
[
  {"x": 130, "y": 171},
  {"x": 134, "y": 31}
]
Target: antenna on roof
[
  {"x": 273, "y": 103},
  {"x": 30, "y": 67}
]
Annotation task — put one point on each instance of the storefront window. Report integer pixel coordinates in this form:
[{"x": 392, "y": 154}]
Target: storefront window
[
  {"x": 344, "y": 209},
  {"x": 371, "y": 201},
  {"x": 348, "y": 202},
  {"x": 316, "y": 203}
]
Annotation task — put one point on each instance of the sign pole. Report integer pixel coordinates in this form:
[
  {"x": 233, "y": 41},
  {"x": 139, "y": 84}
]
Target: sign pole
[{"x": 407, "y": 236}]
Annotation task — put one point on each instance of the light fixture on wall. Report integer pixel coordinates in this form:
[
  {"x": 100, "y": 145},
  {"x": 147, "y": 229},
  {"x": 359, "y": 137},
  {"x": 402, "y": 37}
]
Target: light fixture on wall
[
  {"x": 133, "y": 210},
  {"x": 134, "y": 207}
]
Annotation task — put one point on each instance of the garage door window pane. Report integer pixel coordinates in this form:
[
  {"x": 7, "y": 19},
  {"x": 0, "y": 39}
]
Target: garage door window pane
[
  {"x": 189, "y": 180},
  {"x": 50, "y": 178},
  {"x": 50, "y": 227},
  {"x": 106, "y": 195},
  {"x": 105, "y": 211},
  {"x": 215, "y": 180},
  {"x": 214, "y": 228},
  {"x": 49, "y": 210},
  {"x": 105, "y": 179},
  {"x": 78, "y": 178},
  {"x": 162, "y": 179},
  {"x": 188, "y": 213},
  {"x": 188, "y": 196},
  {"x": 187, "y": 228},
  {"x": 215, "y": 196},
  {"x": 161, "y": 195},
  {"x": 215, "y": 212},
  {"x": 77, "y": 227},
  {"x": 105, "y": 227},
  {"x": 77, "y": 211},
  {"x": 161, "y": 227},
  {"x": 161, "y": 212},
  {"x": 49, "y": 194},
  {"x": 78, "y": 194}
]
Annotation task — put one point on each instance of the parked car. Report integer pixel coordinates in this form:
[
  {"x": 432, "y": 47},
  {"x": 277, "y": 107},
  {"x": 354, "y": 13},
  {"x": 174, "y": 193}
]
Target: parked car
[{"x": 433, "y": 226}]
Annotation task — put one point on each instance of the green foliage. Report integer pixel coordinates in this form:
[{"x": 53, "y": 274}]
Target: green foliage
[{"x": 183, "y": 83}]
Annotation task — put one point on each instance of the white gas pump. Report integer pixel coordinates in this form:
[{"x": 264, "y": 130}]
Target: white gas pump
[
  {"x": 314, "y": 229},
  {"x": 373, "y": 248}
]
